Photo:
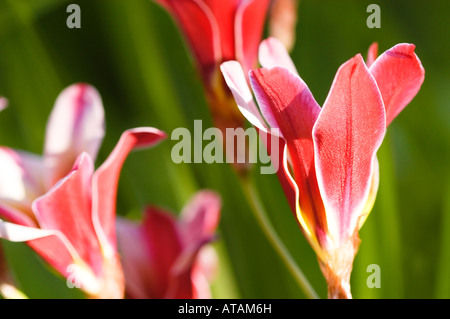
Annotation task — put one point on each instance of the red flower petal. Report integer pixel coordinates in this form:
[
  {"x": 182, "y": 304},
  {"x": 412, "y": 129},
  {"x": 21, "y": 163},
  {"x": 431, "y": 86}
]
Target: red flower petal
[
  {"x": 272, "y": 53},
  {"x": 199, "y": 24},
  {"x": 399, "y": 75},
  {"x": 15, "y": 216},
  {"x": 149, "y": 251}
]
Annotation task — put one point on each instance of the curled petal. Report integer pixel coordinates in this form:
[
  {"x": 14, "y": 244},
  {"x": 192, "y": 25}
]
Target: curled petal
[
  {"x": 106, "y": 178},
  {"x": 76, "y": 125},
  {"x": 272, "y": 53},
  {"x": 347, "y": 134},
  {"x": 399, "y": 75}
]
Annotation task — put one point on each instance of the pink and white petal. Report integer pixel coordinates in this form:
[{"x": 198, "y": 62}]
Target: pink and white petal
[
  {"x": 290, "y": 187},
  {"x": 347, "y": 134},
  {"x": 273, "y": 53},
  {"x": 372, "y": 54},
  {"x": 208, "y": 262},
  {"x": 191, "y": 281},
  {"x": 20, "y": 176},
  {"x": 55, "y": 249},
  {"x": 199, "y": 25},
  {"x": 248, "y": 29},
  {"x": 76, "y": 125},
  {"x": 399, "y": 75},
  {"x": 200, "y": 217},
  {"x": 106, "y": 178},
  {"x": 51, "y": 245},
  {"x": 3, "y": 103},
  {"x": 237, "y": 82},
  {"x": 67, "y": 208}
]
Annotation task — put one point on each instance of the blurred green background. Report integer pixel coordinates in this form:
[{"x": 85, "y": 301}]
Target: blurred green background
[{"x": 132, "y": 52}]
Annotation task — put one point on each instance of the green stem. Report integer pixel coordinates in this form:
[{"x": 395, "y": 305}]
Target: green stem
[{"x": 261, "y": 217}]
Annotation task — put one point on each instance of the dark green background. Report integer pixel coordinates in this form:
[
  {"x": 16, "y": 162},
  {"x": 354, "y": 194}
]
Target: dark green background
[{"x": 133, "y": 54}]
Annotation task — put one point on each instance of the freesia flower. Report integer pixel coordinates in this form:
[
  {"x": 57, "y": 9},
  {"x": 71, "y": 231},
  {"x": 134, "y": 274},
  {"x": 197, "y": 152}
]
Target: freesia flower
[
  {"x": 329, "y": 166},
  {"x": 167, "y": 258},
  {"x": 59, "y": 205},
  {"x": 218, "y": 31}
]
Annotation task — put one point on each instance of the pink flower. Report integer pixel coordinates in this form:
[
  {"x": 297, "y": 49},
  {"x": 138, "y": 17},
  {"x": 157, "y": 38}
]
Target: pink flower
[
  {"x": 219, "y": 31},
  {"x": 59, "y": 205},
  {"x": 166, "y": 258},
  {"x": 329, "y": 166}
]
